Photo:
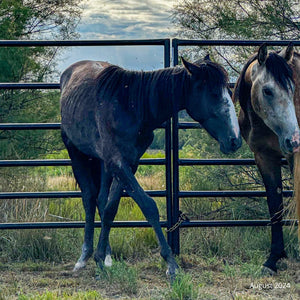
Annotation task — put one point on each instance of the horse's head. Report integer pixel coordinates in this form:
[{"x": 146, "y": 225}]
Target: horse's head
[
  {"x": 209, "y": 103},
  {"x": 272, "y": 92}
]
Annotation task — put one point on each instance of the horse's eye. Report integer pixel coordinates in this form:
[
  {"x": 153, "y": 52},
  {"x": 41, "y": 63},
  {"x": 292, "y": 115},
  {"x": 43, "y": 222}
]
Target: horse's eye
[{"x": 267, "y": 92}]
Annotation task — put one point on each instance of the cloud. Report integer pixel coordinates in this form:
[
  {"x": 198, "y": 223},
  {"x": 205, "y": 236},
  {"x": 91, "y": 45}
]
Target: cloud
[
  {"x": 123, "y": 19},
  {"x": 126, "y": 19}
]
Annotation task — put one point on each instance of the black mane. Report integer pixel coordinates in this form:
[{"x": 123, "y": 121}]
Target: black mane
[
  {"x": 212, "y": 73},
  {"x": 139, "y": 91},
  {"x": 276, "y": 65}
]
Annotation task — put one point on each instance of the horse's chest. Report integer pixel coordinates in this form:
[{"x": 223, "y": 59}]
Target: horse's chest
[{"x": 260, "y": 141}]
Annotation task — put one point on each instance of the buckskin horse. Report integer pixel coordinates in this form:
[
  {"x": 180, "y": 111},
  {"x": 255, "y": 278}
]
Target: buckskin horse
[
  {"x": 108, "y": 118},
  {"x": 268, "y": 92}
]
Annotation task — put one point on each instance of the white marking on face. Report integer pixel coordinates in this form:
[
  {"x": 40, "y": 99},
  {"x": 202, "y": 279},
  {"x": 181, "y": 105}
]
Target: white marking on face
[
  {"x": 232, "y": 113},
  {"x": 282, "y": 114}
]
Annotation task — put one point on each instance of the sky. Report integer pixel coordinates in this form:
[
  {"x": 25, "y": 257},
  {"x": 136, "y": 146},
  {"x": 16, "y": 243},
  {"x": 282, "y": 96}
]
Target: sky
[{"x": 123, "y": 19}]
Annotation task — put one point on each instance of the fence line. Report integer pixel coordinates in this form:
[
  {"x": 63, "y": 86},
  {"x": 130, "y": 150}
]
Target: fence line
[{"x": 171, "y": 160}]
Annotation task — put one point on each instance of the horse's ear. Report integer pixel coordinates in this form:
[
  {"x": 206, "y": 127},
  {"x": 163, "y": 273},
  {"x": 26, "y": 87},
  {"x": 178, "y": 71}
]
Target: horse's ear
[
  {"x": 207, "y": 57},
  {"x": 288, "y": 52},
  {"x": 262, "y": 54},
  {"x": 190, "y": 67}
]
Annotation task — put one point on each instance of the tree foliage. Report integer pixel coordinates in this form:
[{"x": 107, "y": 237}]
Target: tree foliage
[
  {"x": 25, "y": 20},
  {"x": 231, "y": 19},
  {"x": 237, "y": 19}
]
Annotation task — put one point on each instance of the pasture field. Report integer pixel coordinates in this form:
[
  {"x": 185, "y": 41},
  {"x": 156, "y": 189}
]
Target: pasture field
[
  {"x": 216, "y": 263},
  {"x": 200, "y": 278}
]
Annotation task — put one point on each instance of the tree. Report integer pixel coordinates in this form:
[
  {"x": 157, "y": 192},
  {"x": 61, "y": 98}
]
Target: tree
[
  {"x": 237, "y": 19},
  {"x": 31, "y": 19},
  {"x": 231, "y": 19}
]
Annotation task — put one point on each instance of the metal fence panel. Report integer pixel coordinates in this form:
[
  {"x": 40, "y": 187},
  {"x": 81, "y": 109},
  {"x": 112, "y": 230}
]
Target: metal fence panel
[{"x": 171, "y": 161}]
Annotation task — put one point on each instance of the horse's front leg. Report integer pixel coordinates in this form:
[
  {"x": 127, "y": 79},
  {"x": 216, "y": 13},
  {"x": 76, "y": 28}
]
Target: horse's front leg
[
  {"x": 270, "y": 169},
  {"x": 123, "y": 175}
]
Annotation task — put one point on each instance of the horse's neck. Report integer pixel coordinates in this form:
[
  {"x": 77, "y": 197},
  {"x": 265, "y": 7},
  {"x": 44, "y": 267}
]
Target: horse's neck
[
  {"x": 164, "y": 93},
  {"x": 296, "y": 71}
]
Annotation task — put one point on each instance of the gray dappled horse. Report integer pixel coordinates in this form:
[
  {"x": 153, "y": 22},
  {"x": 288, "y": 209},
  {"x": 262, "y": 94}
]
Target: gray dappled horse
[
  {"x": 268, "y": 92},
  {"x": 108, "y": 118}
]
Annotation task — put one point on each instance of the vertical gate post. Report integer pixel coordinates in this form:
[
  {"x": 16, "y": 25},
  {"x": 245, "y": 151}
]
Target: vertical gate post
[
  {"x": 168, "y": 153},
  {"x": 175, "y": 201}
]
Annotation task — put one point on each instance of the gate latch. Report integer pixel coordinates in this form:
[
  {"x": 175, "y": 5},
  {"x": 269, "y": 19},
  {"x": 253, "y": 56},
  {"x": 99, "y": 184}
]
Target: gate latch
[{"x": 182, "y": 217}]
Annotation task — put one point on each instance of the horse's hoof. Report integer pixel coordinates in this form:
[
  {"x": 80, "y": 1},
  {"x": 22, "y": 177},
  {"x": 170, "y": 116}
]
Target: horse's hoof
[
  {"x": 265, "y": 271},
  {"x": 79, "y": 266},
  {"x": 108, "y": 261},
  {"x": 97, "y": 277},
  {"x": 172, "y": 272}
]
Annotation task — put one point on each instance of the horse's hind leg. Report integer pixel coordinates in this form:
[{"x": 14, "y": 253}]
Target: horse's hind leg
[
  {"x": 83, "y": 169},
  {"x": 106, "y": 181},
  {"x": 271, "y": 173},
  {"x": 109, "y": 213}
]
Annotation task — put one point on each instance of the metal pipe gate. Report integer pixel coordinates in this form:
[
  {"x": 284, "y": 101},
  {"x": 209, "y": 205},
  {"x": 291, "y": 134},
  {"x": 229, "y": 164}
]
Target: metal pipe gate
[{"x": 171, "y": 160}]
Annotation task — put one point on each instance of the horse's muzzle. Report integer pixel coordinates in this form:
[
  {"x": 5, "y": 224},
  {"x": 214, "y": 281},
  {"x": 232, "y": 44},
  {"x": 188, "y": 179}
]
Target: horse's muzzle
[
  {"x": 292, "y": 145},
  {"x": 231, "y": 145}
]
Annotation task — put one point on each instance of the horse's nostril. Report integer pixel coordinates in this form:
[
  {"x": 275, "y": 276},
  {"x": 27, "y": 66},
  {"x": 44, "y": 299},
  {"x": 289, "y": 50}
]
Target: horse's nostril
[
  {"x": 288, "y": 143},
  {"x": 234, "y": 143}
]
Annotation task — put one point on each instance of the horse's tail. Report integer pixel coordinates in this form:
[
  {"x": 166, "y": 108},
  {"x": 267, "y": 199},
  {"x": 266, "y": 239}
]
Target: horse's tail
[{"x": 297, "y": 187}]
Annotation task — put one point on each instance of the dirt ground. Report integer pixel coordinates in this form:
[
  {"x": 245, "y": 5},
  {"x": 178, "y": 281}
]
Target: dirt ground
[{"x": 214, "y": 279}]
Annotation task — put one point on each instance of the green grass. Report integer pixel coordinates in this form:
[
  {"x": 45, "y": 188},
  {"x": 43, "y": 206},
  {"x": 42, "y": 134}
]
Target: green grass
[
  {"x": 121, "y": 276},
  {"x": 182, "y": 288},
  {"x": 49, "y": 295}
]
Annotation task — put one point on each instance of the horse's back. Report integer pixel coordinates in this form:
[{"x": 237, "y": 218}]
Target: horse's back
[{"x": 86, "y": 70}]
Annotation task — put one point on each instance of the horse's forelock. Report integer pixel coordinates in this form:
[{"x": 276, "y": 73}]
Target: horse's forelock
[
  {"x": 212, "y": 73},
  {"x": 280, "y": 70}
]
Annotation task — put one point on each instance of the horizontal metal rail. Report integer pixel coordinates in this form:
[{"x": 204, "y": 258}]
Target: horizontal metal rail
[
  {"x": 65, "y": 162},
  {"x": 229, "y": 193},
  {"x": 142, "y": 42},
  {"x": 143, "y": 161},
  {"x": 221, "y": 162},
  {"x": 145, "y": 224},
  {"x": 29, "y": 126},
  {"x": 182, "y": 42},
  {"x": 62, "y": 194},
  {"x": 29, "y": 86},
  {"x": 152, "y": 193},
  {"x": 84, "y": 43},
  {"x": 44, "y": 126},
  {"x": 234, "y": 223},
  {"x": 76, "y": 224},
  {"x": 40, "y": 126},
  {"x": 41, "y": 86},
  {"x": 214, "y": 162}
]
